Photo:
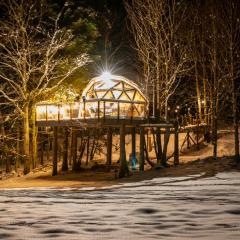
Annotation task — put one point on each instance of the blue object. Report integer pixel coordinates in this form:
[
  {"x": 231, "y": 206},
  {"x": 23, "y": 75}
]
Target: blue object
[{"x": 133, "y": 162}]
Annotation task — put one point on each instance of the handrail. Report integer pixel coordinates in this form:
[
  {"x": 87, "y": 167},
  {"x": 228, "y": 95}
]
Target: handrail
[{"x": 83, "y": 110}]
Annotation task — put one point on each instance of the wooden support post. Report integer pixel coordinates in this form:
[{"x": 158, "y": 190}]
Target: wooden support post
[
  {"x": 34, "y": 139},
  {"x": 159, "y": 144},
  {"x": 146, "y": 154},
  {"x": 142, "y": 140},
  {"x": 88, "y": 139},
  {"x": 55, "y": 150},
  {"x": 109, "y": 146},
  {"x": 71, "y": 150},
  {"x": 48, "y": 147},
  {"x": 65, "y": 150},
  {"x": 176, "y": 145},
  {"x": 17, "y": 164},
  {"x": 197, "y": 134},
  {"x": 7, "y": 160},
  {"x": 42, "y": 150},
  {"x": 133, "y": 160},
  {"x": 165, "y": 147},
  {"x": 74, "y": 150},
  {"x": 93, "y": 145},
  {"x": 188, "y": 139},
  {"x": 123, "y": 162}
]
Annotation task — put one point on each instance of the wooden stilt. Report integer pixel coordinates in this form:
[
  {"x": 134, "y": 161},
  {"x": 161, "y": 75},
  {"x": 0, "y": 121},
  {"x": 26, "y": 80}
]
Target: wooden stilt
[
  {"x": 81, "y": 151},
  {"x": 65, "y": 150},
  {"x": 48, "y": 147},
  {"x": 142, "y": 140},
  {"x": 123, "y": 162},
  {"x": 133, "y": 160},
  {"x": 93, "y": 146},
  {"x": 165, "y": 147},
  {"x": 71, "y": 140},
  {"x": 7, "y": 160},
  {"x": 55, "y": 150},
  {"x": 74, "y": 150},
  {"x": 197, "y": 134},
  {"x": 109, "y": 146},
  {"x": 17, "y": 164},
  {"x": 147, "y": 155},
  {"x": 34, "y": 139},
  {"x": 176, "y": 145},
  {"x": 42, "y": 150},
  {"x": 159, "y": 144},
  {"x": 188, "y": 140},
  {"x": 88, "y": 139}
]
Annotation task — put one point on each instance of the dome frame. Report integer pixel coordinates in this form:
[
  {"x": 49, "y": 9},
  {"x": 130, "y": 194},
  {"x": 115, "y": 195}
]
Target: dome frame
[
  {"x": 115, "y": 97},
  {"x": 112, "y": 85}
]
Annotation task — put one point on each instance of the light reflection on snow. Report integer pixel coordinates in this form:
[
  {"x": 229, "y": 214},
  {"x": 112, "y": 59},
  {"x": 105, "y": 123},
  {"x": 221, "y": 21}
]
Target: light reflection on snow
[{"x": 189, "y": 207}]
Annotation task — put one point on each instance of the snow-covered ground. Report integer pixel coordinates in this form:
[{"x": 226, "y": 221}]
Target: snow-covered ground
[{"x": 162, "y": 208}]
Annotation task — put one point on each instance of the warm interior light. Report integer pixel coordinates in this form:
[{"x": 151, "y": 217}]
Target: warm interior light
[
  {"x": 106, "y": 76},
  {"x": 41, "y": 109}
]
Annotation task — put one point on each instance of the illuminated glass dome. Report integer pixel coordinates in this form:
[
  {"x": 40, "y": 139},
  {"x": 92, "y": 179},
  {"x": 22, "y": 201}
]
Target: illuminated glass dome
[{"x": 112, "y": 96}]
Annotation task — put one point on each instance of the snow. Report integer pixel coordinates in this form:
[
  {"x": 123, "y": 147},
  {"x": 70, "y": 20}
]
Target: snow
[{"x": 191, "y": 207}]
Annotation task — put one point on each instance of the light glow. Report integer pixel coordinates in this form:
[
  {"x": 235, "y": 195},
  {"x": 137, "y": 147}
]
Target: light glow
[
  {"x": 106, "y": 76},
  {"x": 41, "y": 109}
]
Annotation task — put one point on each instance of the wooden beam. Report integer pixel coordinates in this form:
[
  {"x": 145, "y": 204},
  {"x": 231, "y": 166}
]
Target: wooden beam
[
  {"x": 88, "y": 142},
  {"x": 133, "y": 160},
  {"x": 65, "y": 150},
  {"x": 176, "y": 146},
  {"x": 123, "y": 162},
  {"x": 159, "y": 144},
  {"x": 74, "y": 150},
  {"x": 160, "y": 125},
  {"x": 165, "y": 147},
  {"x": 142, "y": 140},
  {"x": 109, "y": 146},
  {"x": 55, "y": 150}
]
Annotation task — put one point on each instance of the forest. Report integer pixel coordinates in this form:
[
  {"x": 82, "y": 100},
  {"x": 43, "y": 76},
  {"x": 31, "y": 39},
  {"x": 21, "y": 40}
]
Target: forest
[{"x": 183, "y": 54}]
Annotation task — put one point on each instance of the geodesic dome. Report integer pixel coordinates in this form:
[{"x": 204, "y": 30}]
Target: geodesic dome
[{"x": 114, "y": 97}]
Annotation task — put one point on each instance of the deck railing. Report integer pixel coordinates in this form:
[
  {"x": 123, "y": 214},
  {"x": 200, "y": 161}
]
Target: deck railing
[{"x": 91, "y": 109}]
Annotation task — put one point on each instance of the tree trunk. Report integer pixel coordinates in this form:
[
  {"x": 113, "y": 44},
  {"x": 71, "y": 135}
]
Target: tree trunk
[
  {"x": 176, "y": 145},
  {"x": 42, "y": 151},
  {"x": 215, "y": 92},
  {"x": 165, "y": 147},
  {"x": 109, "y": 146},
  {"x": 166, "y": 110},
  {"x": 123, "y": 162},
  {"x": 65, "y": 150},
  {"x": 88, "y": 145},
  {"x": 48, "y": 147},
  {"x": 235, "y": 120},
  {"x": 159, "y": 144},
  {"x": 205, "y": 99},
  {"x": 26, "y": 140},
  {"x": 214, "y": 123},
  {"x": 17, "y": 163},
  {"x": 34, "y": 139},
  {"x": 71, "y": 149},
  {"x": 55, "y": 150},
  {"x": 142, "y": 140},
  {"x": 199, "y": 98},
  {"x": 74, "y": 150}
]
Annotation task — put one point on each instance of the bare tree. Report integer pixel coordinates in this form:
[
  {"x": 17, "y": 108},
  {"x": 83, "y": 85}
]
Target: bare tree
[
  {"x": 31, "y": 65},
  {"x": 215, "y": 43},
  {"x": 161, "y": 47},
  {"x": 231, "y": 35}
]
